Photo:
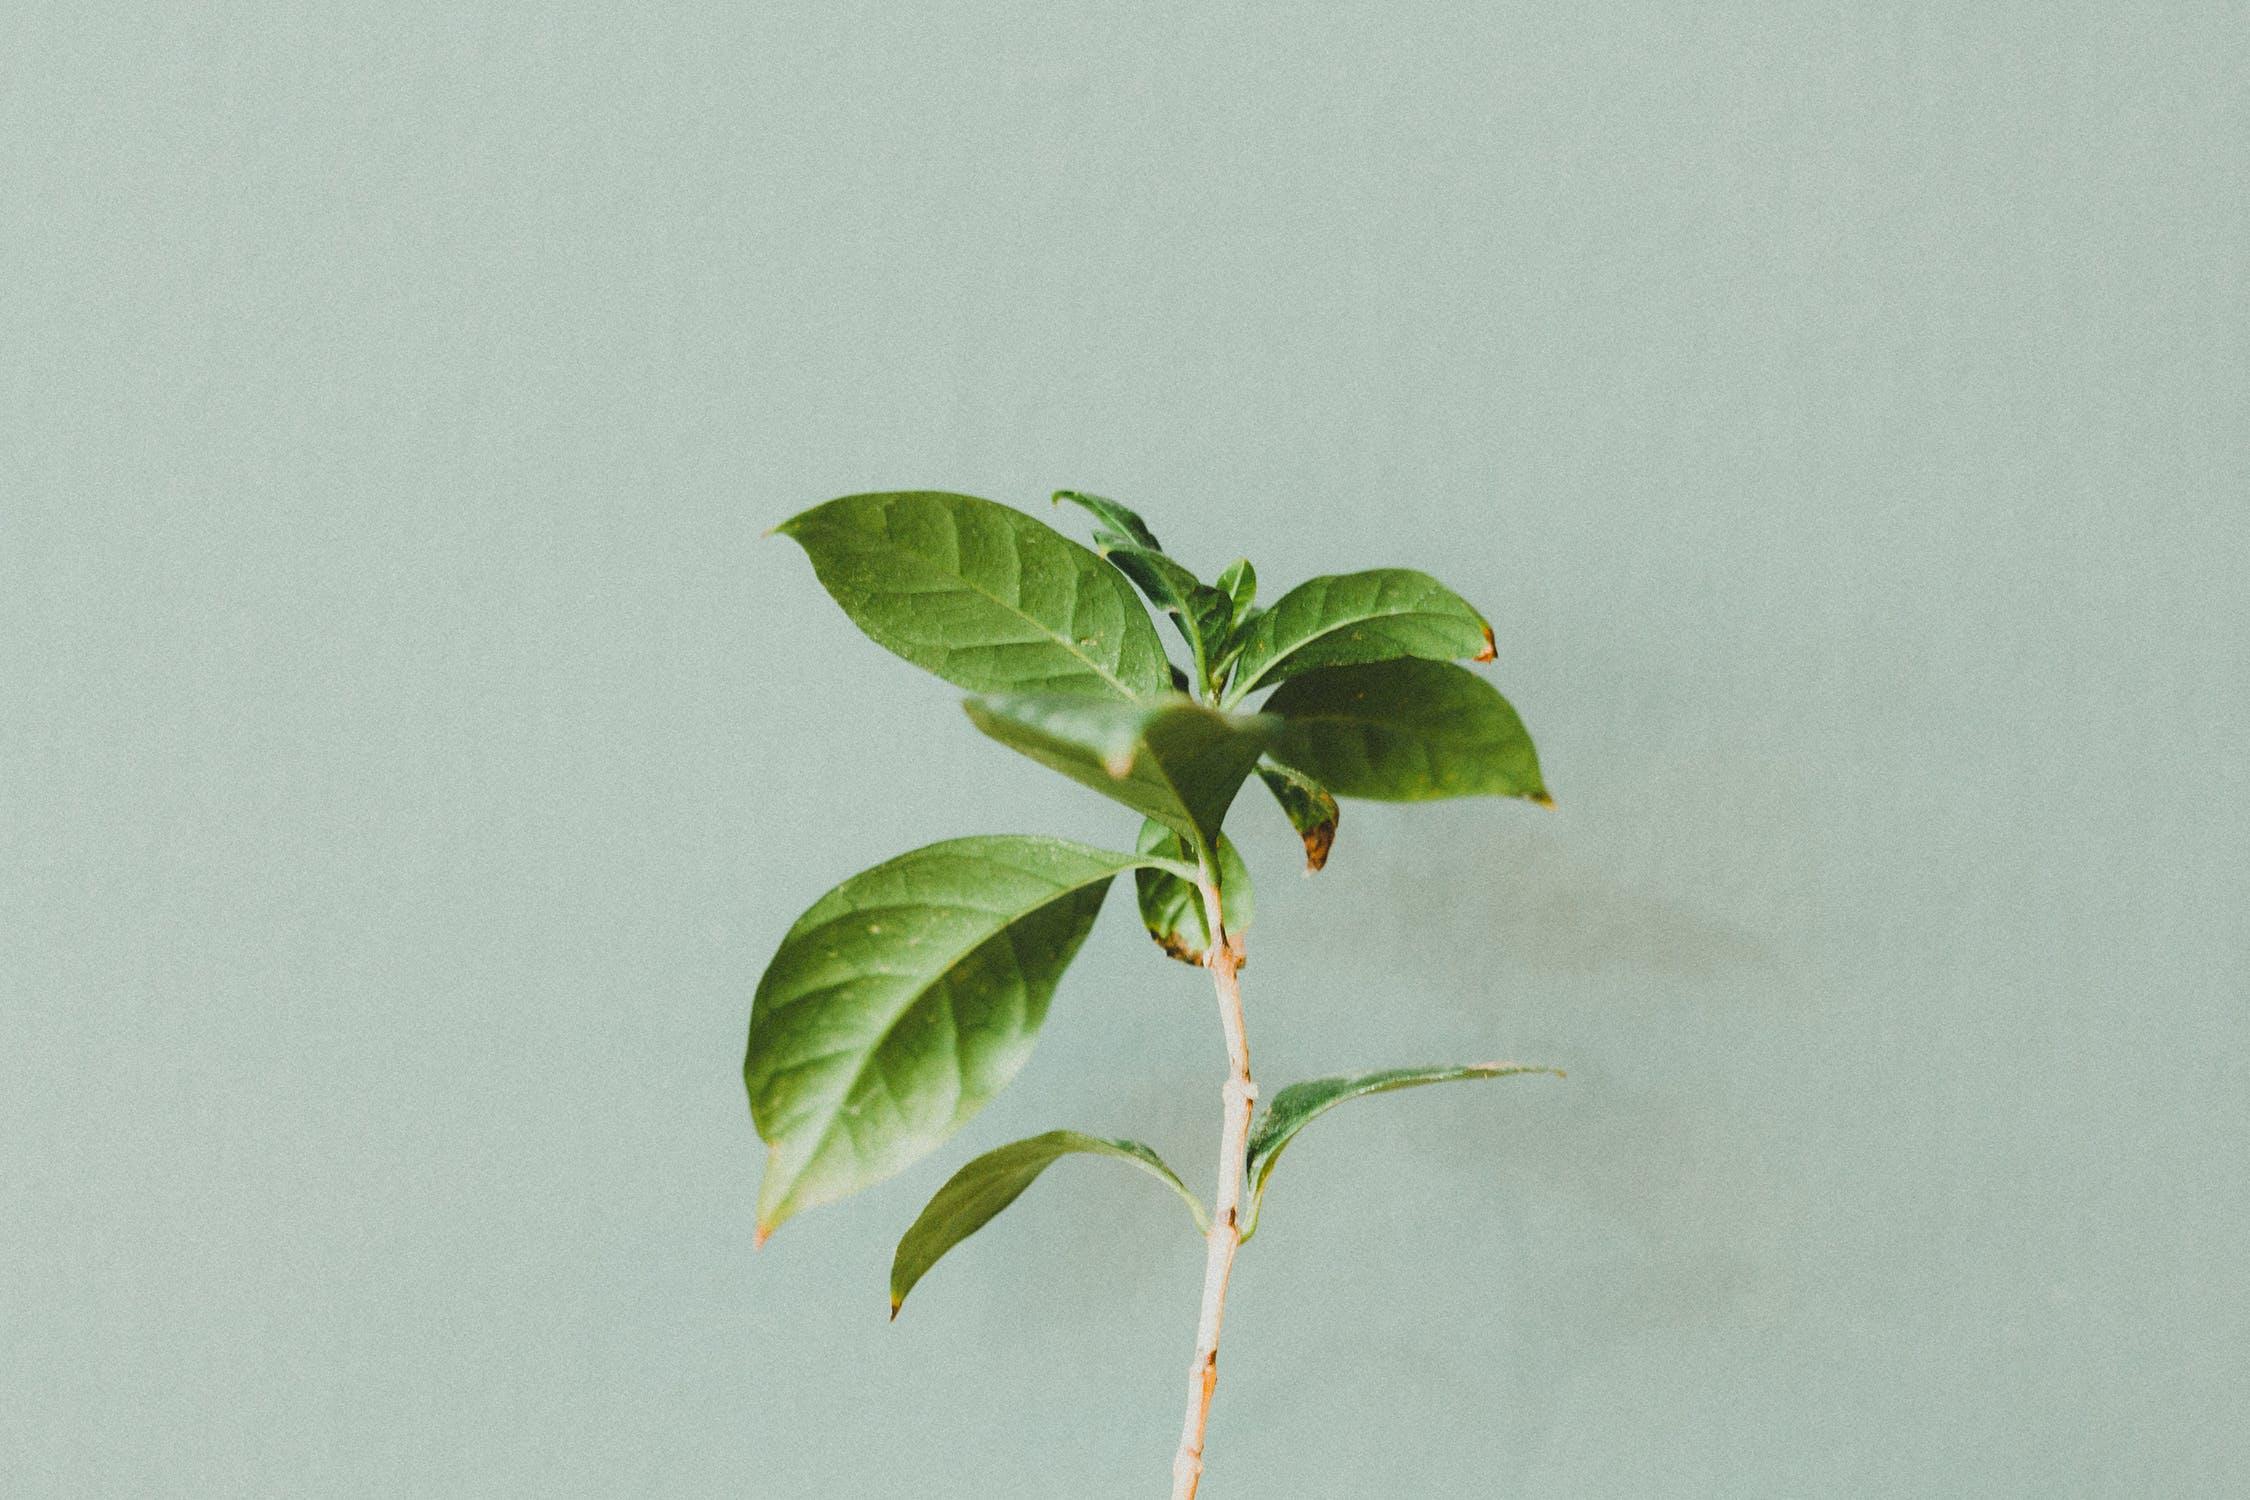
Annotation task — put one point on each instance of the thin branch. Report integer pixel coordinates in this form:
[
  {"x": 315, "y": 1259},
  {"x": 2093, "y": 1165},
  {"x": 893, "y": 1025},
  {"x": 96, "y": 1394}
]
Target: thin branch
[{"x": 1223, "y": 956}]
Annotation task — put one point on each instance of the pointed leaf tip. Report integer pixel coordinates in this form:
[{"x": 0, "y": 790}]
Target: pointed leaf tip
[
  {"x": 760, "y": 1235},
  {"x": 1491, "y": 651},
  {"x": 1543, "y": 799}
]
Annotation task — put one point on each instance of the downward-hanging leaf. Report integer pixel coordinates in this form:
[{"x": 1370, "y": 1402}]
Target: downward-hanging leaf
[
  {"x": 904, "y": 999},
  {"x": 984, "y": 596},
  {"x": 1172, "y": 759},
  {"x": 973, "y": 1196},
  {"x": 1300, "y": 1104},
  {"x": 1405, "y": 731},
  {"x": 1310, "y": 809},
  {"x": 1172, "y": 907},
  {"x": 1379, "y": 615}
]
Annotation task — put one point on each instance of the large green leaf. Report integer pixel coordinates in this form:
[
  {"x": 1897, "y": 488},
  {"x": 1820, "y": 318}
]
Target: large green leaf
[
  {"x": 904, "y": 999},
  {"x": 1172, "y": 907},
  {"x": 1379, "y": 615},
  {"x": 973, "y": 1196},
  {"x": 1309, "y": 807},
  {"x": 1171, "y": 759},
  {"x": 1300, "y": 1104},
  {"x": 984, "y": 596},
  {"x": 1405, "y": 731}
]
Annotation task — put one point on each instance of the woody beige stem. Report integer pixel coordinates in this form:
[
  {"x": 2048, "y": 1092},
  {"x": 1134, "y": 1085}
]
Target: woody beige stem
[{"x": 1223, "y": 957}]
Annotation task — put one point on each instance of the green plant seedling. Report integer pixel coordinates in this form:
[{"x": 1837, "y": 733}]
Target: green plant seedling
[{"x": 903, "y": 1000}]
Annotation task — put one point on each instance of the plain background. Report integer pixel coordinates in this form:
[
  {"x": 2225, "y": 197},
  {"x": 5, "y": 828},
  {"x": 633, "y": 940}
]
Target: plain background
[{"x": 410, "y": 752}]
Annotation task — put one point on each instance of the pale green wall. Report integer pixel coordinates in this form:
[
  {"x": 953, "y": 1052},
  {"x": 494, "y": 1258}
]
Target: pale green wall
[{"x": 409, "y": 752}]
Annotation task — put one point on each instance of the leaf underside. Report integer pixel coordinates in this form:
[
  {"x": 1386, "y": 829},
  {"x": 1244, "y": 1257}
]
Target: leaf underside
[
  {"x": 1171, "y": 759},
  {"x": 903, "y": 1000},
  {"x": 1307, "y": 804},
  {"x": 1405, "y": 731},
  {"x": 975, "y": 1195},
  {"x": 986, "y": 597},
  {"x": 1300, "y": 1104}
]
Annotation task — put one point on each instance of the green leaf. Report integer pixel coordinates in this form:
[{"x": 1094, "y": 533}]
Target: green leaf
[
  {"x": 1172, "y": 907},
  {"x": 1171, "y": 759},
  {"x": 1309, "y": 807},
  {"x": 1405, "y": 731},
  {"x": 1119, "y": 525},
  {"x": 903, "y": 1000},
  {"x": 1300, "y": 1104},
  {"x": 1240, "y": 584},
  {"x": 1201, "y": 613},
  {"x": 1346, "y": 618},
  {"x": 984, "y": 596},
  {"x": 973, "y": 1196}
]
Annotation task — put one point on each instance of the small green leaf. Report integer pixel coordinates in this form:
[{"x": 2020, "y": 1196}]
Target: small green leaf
[
  {"x": 1201, "y": 613},
  {"x": 1171, "y": 759},
  {"x": 1405, "y": 731},
  {"x": 903, "y": 1000},
  {"x": 1309, "y": 807},
  {"x": 1240, "y": 584},
  {"x": 1172, "y": 907},
  {"x": 1346, "y": 618},
  {"x": 1300, "y": 1104},
  {"x": 984, "y": 596},
  {"x": 975, "y": 1195},
  {"x": 1119, "y": 525}
]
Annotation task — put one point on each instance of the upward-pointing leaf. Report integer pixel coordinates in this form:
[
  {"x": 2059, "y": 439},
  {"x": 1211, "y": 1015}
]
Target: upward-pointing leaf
[
  {"x": 1379, "y": 615},
  {"x": 1174, "y": 760},
  {"x": 1239, "y": 582},
  {"x": 1201, "y": 612},
  {"x": 904, "y": 999},
  {"x": 984, "y": 596},
  {"x": 1405, "y": 731},
  {"x": 1300, "y": 1104},
  {"x": 1120, "y": 526},
  {"x": 975, "y": 1195}
]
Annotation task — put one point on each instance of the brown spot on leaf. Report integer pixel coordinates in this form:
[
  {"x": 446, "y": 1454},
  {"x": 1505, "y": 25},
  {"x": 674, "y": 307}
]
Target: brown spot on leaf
[
  {"x": 1176, "y": 946},
  {"x": 1318, "y": 840},
  {"x": 760, "y": 1235},
  {"x": 1491, "y": 649}
]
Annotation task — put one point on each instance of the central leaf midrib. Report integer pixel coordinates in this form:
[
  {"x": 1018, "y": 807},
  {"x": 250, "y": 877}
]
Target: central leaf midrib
[{"x": 1068, "y": 643}]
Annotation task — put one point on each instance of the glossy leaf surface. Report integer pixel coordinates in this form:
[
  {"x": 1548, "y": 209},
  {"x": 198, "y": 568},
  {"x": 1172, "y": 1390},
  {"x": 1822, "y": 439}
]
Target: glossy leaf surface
[
  {"x": 1308, "y": 806},
  {"x": 986, "y": 597},
  {"x": 1172, "y": 759},
  {"x": 976, "y": 1194},
  {"x": 1345, "y": 618},
  {"x": 1300, "y": 1104},
  {"x": 903, "y": 1000},
  {"x": 1172, "y": 907},
  {"x": 1405, "y": 731}
]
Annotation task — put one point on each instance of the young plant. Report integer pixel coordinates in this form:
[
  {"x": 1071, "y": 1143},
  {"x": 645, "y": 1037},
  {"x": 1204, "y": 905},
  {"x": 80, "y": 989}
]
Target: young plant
[{"x": 908, "y": 996}]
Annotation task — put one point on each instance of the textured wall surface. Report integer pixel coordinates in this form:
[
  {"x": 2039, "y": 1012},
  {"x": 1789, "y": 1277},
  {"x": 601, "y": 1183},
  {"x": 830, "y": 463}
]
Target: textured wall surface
[{"x": 409, "y": 751}]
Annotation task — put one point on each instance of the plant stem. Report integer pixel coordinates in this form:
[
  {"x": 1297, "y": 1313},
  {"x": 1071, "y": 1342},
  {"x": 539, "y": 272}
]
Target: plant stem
[{"x": 1223, "y": 956}]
